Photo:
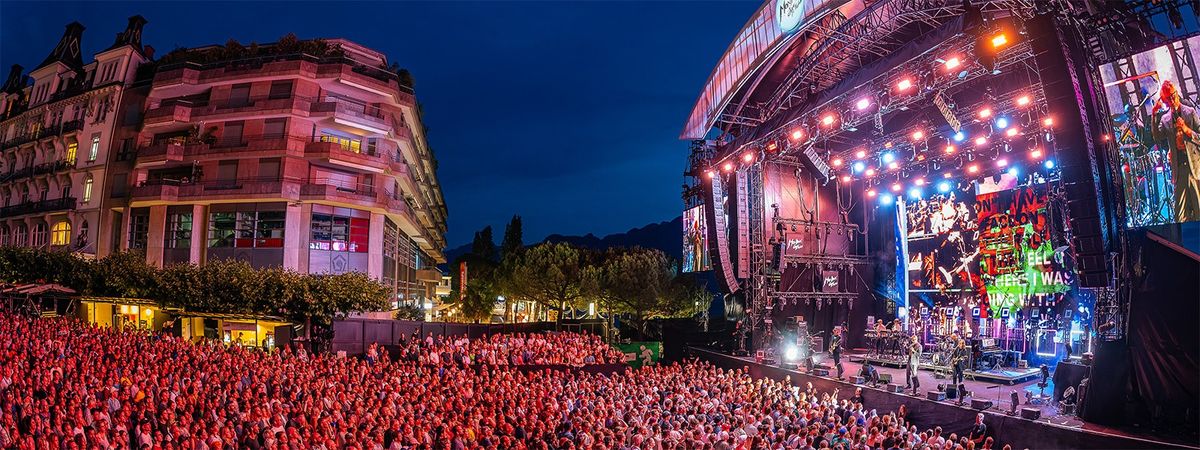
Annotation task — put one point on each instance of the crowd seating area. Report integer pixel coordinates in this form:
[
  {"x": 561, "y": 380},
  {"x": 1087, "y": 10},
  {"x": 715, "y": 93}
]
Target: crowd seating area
[
  {"x": 67, "y": 385},
  {"x": 518, "y": 349}
]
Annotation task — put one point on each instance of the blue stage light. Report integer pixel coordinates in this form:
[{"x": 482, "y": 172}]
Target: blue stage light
[
  {"x": 960, "y": 136},
  {"x": 1013, "y": 171},
  {"x": 888, "y": 157},
  {"x": 859, "y": 166},
  {"x": 1049, "y": 164},
  {"x": 914, "y": 193},
  {"x": 886, "y": 199},
  {"x": 1001, "y": 122},
  {"x": 944, "y": 187}
]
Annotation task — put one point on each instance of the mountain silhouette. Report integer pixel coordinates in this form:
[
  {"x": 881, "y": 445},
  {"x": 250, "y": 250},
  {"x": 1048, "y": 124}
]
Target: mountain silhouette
[{"x": 665, "y": 236}]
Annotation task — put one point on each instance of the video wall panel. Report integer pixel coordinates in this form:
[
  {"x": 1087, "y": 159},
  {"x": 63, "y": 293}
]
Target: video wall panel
[
  {"x": 695, "y": 241},
  {"x": 1018, "y": 259}
]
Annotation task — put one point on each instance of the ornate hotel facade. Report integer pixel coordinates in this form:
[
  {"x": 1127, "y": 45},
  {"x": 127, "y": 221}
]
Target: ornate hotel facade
[{"x": 308, "y": 155}]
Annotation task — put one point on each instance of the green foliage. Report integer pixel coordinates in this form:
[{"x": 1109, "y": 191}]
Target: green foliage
[
  {"x": 484, "y": 247},
  {"x": 408, "y": 312},
  {"x": 642, "y": 284},
  {"x": 550, "y": 275},
  {"x": 406, "y": 79},
  {"x": 513, "y": 239}
]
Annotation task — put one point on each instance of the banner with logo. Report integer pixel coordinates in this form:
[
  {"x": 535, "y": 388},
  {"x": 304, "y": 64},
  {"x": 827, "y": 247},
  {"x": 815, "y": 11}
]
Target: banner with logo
[{"x": 638, "y": 354}]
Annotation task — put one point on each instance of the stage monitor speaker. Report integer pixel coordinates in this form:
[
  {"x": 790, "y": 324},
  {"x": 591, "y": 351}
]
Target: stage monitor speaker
[
  {"x": 951, "y": 392},
  {"x": 895, "y": 388},
  {"x": 885, "y": 378},
  {"x": 857, "y": 379},
  {"x": 935, "y": 395},
  {"x": 820, "y": 372},
  {"x": 1031, "y": 413},
  {"x": 979, "y": 403},
  {"x": 1080, "y": 155}
]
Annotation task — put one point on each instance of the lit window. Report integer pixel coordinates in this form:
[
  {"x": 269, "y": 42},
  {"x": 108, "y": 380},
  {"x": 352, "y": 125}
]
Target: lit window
[
  {"x": 95, "y": 147},
  {"x": 72, "y": 149},
  {"x": 87, "y": 189},
  {"x": 60, "y": 234}
]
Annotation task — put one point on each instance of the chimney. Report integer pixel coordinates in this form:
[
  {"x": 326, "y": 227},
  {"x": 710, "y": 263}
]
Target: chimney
[{"x": 148, "y": 51}]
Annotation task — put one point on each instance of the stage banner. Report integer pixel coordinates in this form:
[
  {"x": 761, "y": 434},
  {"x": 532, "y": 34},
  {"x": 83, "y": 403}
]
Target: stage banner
[
  {"x": 1018, "y": 261},
  {"x": 638, "y": 354}
]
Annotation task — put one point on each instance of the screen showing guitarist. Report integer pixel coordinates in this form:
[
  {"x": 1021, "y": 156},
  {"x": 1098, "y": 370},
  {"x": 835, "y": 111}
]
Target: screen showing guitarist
[{"x": 1175, "y": 125}]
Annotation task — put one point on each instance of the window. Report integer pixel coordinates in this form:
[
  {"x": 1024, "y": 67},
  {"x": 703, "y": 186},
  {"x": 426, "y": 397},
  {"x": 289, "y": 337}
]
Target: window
[
  {"x": 4, "y": 235},
  {"x": 95, "y": 150},
  {"x": 268, "y": 168},
  {"x": 87, "y": 189},
  {"x": 19, "y": 237},
  {"x": 179, "y": 231},
  {"x": 347, "y": 143},
  {"x": 39, "y": 235},
  {"x": 83, "y": 234},
  {"x": 72, "y": 150},
  {"x": 231, "y": 136},
  {"x": 339, "y": 233},
  {"x": 60, "y": 234},
  {"x": 372, "y": 145},
  {"x": 239, "y": 96},
  {"x": 246, "y": 229},
  {"x": 66, "y": 191},
  {"x": 139, "y": 230},
  {"x": 281, "y": 89},
  {"x": 274, "y": 128}
]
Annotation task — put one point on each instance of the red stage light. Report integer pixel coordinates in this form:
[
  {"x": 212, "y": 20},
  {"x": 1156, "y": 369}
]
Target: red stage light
[
  {"x": 797, "y": 134},
  {"x": 985, "y": 113},
  {"x": 918, "y": 135},
  {"x": 729, "y": 167},
  {"x": 950, "y": 148},
  {"x": 973, "y": 168},
  {"x": 1048, "y": 122},
  {"x": 870, "y": 192},
  {"x": 837, "y": 162},
  {"x": 827, "y": 120},
  {"x": 904, "y": 84},
  {"x": 919, "y": 182},
  {"x": 748, "y": 157},
  {"x": 999, "y": 40},
  {"x": 845, "y": 178},
  {"x": 1001, "y": 162},
  {"x": 893, "y": 165},
  {"x": 712, "y": 174},
  {"x": 896, "y": 187},
  {"x": 1011, "y": 132},
  {"x": 1104, "y": 137},
  {"x": 871, "y": 172},
  {"x": 1035, "y": 154},
  {"x": 771, "y": 147},
  {"x": 952, "y": 63},
  {"x": 1023, "y": 100},
  {"x": 980, "y": 140},
  {"x": 860, "y": 154}
]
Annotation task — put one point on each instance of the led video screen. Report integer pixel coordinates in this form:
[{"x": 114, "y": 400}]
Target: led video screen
[
  {"x": 1018, "y": 259},
  {"x": 1153, "y": 99},
  {"x": 695, "y": 241},
  {"x": 942, "y": 251}
]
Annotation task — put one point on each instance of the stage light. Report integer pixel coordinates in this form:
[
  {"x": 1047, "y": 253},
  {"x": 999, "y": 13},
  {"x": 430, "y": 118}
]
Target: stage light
[
  {"x": 999, "y": 40},
  {"x": 859, "y": 166},
  {"x": 1001, "y": 162},
  {"x": 944, "y": 187},
  {"x": 1035, "y": 154},
  {"x": 893, "y": 165},
  {"x": 980, "y": 140},
  {"x": 1104, "y": 137},
  {"x": 846, "y": 178},
  {"x": 959, "y": 136},
  {"x": 870, "y": 172},
  {"x": 888, "y": 157},
  {"x": 1012, "y": 132},
  {"x": 914, "y": 193},
  {"x": 748, "y": 157},
  {"x": 1001, "y": 122},
  {"x": 860, "y": 154},
  {"x": 886, "y": 199},
  {"x": 827, "y": 120},
  {"x": 711, "y": 174},
  {"x": 870, "y": 193},
  {"x": 904, "y": 84},
  {"x": 1014, "y": 171},
  {"x": 1048, "y": 122},
  {"x": 950, "y": 149},
  {"x": 952, "y": 63},
  {"x": 947, "y": 175},
  {"x": 771, "y": 146},
  {"x": 919, "y": 182},
  {"x": 918, "y": 135},
  {"x": 729, "y": 167},
  {"x": 985, "y": 113},
  {"x": 791, "y": 353},
  {"x": 1049, "y": 164},
  {"x": 973, "y": 168},
  {"x": 887, "y": 144},
  {"x": 837, "y": 162},
  {"x": 797, "y": 134},
  {"x": 896, "y": 187},
  {"x": 1023, "y": 100},
  {"x": 862, "y": 103}
]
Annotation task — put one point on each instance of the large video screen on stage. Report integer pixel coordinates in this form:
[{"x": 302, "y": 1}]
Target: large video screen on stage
[
  {"x": 1018, "y": 259},
  {"x": 695, "y": 241},
  {"x": 1153, "y": 99},
  {"x": 941, "y": 233}
]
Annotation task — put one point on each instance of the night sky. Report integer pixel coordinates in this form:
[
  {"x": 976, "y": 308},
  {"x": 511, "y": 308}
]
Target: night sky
[{"x": 565, "y": 113}]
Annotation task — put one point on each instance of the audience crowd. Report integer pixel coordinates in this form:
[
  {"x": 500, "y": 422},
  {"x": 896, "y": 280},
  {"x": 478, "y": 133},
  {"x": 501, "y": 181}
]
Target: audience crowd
[
  {"x": 518, "y": 349},
  {"x": 68, "y": 385}
]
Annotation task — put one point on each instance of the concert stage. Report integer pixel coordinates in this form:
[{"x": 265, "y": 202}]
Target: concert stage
[
  {"x": 1008, "y": 376},
  {"x": 1051, "y": 430}
]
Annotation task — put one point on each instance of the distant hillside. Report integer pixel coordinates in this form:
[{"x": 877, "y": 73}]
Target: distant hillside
[{"x": 665, "y": 236}]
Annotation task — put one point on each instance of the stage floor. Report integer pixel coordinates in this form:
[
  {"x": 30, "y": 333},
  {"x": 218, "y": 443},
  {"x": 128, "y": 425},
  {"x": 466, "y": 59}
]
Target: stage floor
[
  {"x": 1007, "y": 376},
  {"x": 996, "y": 387}
]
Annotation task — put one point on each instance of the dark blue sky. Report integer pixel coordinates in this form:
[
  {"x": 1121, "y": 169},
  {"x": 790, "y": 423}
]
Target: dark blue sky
[{"x": 566, "y": 113}]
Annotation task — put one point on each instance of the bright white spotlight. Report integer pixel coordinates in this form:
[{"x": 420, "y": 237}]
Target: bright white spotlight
[
  {"x": 1001, "y": 122},
  {"x": 791, "y": 353},
  {"x": 914, "y": 193},
  {"x": 859, "y": 166},
  {"x": 1049, "y": 164},
  {"x": 944, "y": 187},
  {"x": 960, "y": 136},
  {"x": 889, "y": 157},
  {"x": 863, "y": 103},
  {"x": 1013, "y": 171}
]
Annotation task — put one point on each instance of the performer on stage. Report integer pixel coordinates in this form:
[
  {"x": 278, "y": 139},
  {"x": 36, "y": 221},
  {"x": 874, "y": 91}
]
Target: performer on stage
[
  {"x": 880, "y": 332},
  {"x": 835, "y": 350},
  {"x": 1176, "y": 125},
  {"x": 914, "y": 361},
  {"x": 958, "y": 360}
]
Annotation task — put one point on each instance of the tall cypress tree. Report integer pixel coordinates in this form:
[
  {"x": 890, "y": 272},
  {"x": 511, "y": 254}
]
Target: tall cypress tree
[
  {"x": 513, "y": 240},
  {"x": 484, "y": 247}
]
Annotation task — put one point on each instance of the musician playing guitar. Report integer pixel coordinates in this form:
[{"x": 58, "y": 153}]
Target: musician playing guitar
[
  {"x": 958, "y": 359},
  {"x": 835, "y": 350}
]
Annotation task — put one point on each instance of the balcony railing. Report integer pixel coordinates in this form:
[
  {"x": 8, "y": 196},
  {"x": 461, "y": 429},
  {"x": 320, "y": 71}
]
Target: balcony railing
[
  {"x": 159, "y": 188},
  {"x": 40, "y": 169},
  {"x": 58, "y": 204},
  {"x": 371, "y": 115}
]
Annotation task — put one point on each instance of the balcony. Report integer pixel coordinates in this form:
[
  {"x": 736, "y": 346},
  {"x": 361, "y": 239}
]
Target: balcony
[
  {"x": 40, "y": 169},
  {"x": 187, "y": 74},
  {"x": 245, "y": 146},
  {"x": 44, "y": 206},
  {"x": 364, "y": 116},
  {"x": 342, "y": 152},
  {"x": 335, "y": 191},
  {"x": 172, "y": 150},
  {"x": 167, "y": 190},
  {"x": 175, "y": 111},
  {"x": 260, "y": 105}
]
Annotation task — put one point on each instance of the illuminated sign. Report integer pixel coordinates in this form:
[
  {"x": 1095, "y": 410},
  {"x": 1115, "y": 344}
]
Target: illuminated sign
[{"x": 789, "y": 13}]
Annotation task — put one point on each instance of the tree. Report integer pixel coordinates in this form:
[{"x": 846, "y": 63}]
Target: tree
[
  {"x": 550, "y": 275},
  {"x": 484, "y": 246},
  {"x": 642, "y": 284},
  {"x": 513, "y": 239},
  {"x": 126, "y": 274}
]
